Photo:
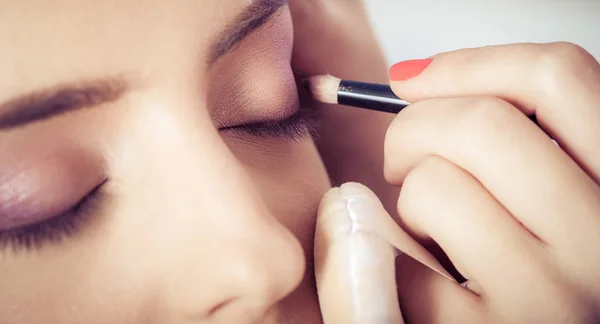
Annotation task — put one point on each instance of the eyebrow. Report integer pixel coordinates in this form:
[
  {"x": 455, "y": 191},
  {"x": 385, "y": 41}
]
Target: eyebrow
[
  {"x": 48, "y": 103},
  {"x": 251, "y": 19},
  {"x": 59, "y": 100}
]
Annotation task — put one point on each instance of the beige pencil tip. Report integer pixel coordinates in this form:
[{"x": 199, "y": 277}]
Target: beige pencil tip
[{"x": 323, "y": 88}]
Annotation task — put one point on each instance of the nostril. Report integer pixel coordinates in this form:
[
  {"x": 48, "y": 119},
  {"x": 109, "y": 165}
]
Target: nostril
[
  {"x": 234, "y": 309},
  {"x": 220, "y": 306}
]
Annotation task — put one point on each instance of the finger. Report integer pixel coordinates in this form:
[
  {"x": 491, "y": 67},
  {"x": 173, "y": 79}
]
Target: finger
[
  {"x": 380, "y": 222},
  {"x": 354, "y": 266},
  {"x": 559, "y": 82},
  {"x": 514, "y": 272},
  {"x": 514, "y": 160},
  {"x": 483, "y": 241},
  {"x": 427, "y": 297}
]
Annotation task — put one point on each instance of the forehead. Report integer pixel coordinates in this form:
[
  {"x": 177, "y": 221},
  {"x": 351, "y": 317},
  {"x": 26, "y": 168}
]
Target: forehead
[{"x": 42, "y": 40}]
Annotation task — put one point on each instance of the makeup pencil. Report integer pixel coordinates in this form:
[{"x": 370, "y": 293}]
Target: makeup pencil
[{"x": 379, "y": 97}]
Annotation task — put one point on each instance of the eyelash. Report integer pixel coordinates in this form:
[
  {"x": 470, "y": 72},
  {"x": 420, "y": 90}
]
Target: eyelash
[
  {"x": 301, "y": 125},
  {"x": 53, "y": 230}
]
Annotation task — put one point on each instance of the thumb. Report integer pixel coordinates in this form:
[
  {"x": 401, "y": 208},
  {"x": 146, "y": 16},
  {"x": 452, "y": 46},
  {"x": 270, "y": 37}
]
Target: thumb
[
  {"x": 354, "y": 254},
  {"x": 354, "y": 267}
]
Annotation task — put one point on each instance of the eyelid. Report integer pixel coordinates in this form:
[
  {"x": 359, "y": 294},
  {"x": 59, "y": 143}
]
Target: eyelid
[
  {"x": 37, "y": 189},
  {"x": 245, "y": 99},
  {"x": 55, "y": 229},
  {"x": 260, "y": 112},
  {"x": 280, "y": 106}
]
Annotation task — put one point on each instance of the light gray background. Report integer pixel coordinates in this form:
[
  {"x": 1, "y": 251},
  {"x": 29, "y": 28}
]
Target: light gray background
[{"x": 410, "y": 29}]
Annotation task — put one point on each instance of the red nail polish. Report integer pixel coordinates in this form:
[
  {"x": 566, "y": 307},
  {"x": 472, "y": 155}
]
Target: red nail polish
[{"x": 408, "y": 69}]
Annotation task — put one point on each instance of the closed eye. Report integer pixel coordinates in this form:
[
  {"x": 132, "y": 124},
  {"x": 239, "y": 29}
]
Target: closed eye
[
  {"x": 299, "y": 126},
  {"x": 55, "y": 229}
]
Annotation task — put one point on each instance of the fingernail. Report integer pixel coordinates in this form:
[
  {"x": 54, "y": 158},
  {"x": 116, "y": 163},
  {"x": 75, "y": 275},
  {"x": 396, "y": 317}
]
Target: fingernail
[
  {"x": 338, "y": 210},
  {"x": 408, "y": 69},
  {"x": 359, "y": 207}
]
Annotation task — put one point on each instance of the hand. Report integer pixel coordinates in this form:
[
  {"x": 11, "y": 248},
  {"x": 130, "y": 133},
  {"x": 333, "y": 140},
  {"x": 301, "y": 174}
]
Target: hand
[{"x": 517, "y": 215}]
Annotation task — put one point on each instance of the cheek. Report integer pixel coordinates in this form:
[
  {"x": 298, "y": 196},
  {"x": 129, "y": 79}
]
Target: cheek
[{"x": 83, "y": 280}]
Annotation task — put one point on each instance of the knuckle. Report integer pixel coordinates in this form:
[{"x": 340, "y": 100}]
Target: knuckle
[
  {"x": 390, "y": 148},
  {"x": 486, "y": 115},
  {"x": 390, "y": 134},
  {"x": 421, "y": 184},
  {"x": 425, "y": 184},
  {"x": 562, "y": 62},
  {"x": 389, "y": 172},
  {"x": 398, "y": 124},
  {"x": 565, "y": 53}
]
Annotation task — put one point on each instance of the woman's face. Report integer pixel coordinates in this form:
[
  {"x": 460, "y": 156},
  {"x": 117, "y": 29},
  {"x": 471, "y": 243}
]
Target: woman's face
[{"x": 155, "y": 164}]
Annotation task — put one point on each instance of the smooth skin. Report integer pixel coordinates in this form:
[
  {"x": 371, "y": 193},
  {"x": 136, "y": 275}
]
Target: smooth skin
[
  {"x": 167, "y": 245},
  {"x": 518, "y": 215},
  {"x": 193, "y": 224}
]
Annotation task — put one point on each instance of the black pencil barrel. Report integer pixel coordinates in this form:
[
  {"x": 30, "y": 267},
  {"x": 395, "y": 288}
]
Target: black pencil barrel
[
  {"x": 379, "y": 97},
  {"x": 369, "y": 96}
]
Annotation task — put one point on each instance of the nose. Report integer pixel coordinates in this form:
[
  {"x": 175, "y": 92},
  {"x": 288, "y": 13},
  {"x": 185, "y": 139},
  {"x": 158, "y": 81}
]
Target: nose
[
  {"x": 263, "y": 269},
  {"x": 223, "y": 256},
  {"x": 241, "y": 264},
  {"x": 239, "y": 274}
]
